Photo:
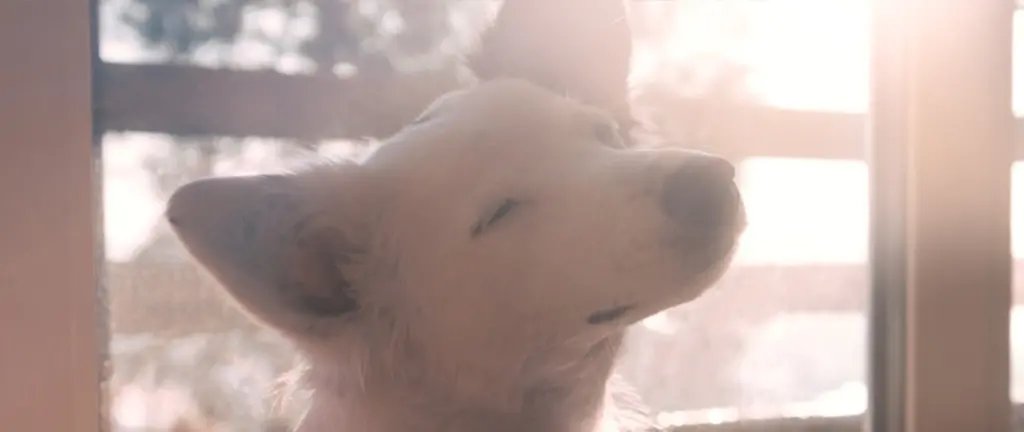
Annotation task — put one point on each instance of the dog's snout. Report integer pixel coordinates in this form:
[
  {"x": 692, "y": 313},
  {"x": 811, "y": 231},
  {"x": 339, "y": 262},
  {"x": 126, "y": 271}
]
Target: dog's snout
[{"x": 701, "y": 192}]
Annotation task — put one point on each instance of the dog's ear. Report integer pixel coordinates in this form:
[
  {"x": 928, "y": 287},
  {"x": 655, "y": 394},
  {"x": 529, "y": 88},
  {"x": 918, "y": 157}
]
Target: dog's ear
[
  {"x": 272, "y": 245},
  {"x": 578, "y": 48}
]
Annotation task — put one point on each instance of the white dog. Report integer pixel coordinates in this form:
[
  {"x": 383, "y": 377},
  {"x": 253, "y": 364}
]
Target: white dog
[{"x": 478, "y": 271}]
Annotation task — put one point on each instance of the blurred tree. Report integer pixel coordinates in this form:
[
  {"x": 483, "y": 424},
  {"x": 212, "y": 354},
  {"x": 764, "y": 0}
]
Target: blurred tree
[
  {"x": 375, "y": 34},
  {"x": 549, "y": 42}
]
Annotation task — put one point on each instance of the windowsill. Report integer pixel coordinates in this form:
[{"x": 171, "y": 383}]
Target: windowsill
[
  {"x": 852, "y": 423},
  {"x": 809, "y": 424}
]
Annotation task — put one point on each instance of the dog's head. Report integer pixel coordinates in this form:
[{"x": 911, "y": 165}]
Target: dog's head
[{"x": 507, "y": 223}]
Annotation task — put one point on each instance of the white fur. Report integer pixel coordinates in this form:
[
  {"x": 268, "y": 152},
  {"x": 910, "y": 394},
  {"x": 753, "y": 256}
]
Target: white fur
[{"x": 409, "y": 320}]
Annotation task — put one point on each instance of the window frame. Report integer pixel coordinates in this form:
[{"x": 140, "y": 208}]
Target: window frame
[
  {"x": 53, "y": 336},
  {"x": 51, "y": 331},
  {"x": 935, "y": 97}
]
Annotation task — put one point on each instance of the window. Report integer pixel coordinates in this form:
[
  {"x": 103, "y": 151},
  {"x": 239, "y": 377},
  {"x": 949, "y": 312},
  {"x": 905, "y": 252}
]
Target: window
[{"x": 779, "y": 86}]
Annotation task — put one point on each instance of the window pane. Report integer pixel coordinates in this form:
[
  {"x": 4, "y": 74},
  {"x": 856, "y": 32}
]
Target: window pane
[{"x": 782, "y": 334}]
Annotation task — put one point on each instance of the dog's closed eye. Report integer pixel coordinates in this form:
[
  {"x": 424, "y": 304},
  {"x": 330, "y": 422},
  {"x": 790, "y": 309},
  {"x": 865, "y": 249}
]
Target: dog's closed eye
[{"x": 504, "y": 209}]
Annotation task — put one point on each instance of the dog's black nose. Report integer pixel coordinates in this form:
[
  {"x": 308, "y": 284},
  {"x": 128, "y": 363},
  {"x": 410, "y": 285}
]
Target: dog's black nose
[{"x": 701, "y": 193}]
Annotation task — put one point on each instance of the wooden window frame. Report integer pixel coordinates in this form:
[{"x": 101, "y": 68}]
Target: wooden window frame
[
  {"x": 941, "y": 265},
  {"x": 940, "y": 98},
  {"x": 50, "y": 329}
]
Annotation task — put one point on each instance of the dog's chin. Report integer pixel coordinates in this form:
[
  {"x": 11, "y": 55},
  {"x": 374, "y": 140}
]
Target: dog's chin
[{"x": 690, "y": 283}]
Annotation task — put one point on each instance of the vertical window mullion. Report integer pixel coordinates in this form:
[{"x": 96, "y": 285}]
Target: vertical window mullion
[
  {"x": 49, "y": 344},
  {"x": 888, "y": 184},
  {"x": 942, "y": 132}
]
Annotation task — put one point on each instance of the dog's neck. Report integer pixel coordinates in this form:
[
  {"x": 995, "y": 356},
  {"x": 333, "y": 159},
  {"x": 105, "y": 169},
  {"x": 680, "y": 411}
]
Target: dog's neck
[{"x": 574, "y": 400}]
